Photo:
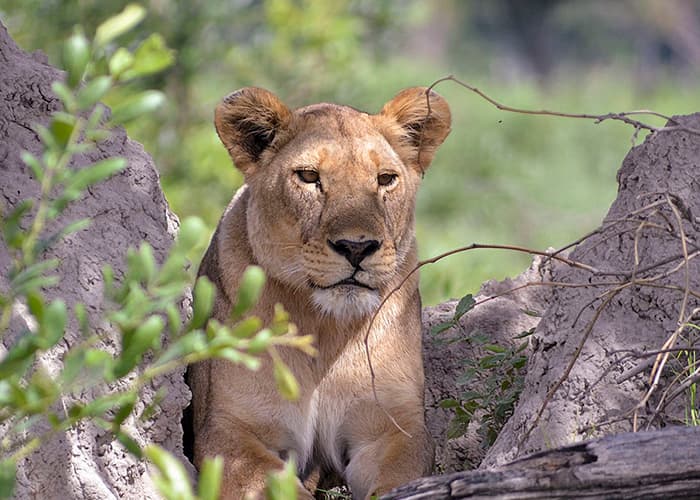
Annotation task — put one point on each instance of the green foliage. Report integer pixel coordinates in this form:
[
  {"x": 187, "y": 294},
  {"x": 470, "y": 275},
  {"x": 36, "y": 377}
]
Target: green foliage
[
  {"x": 143, "y": 304},
  {"x": 493, "y": 381},
  {"x": 173, "y": 481},
  {"x": 282, "y": 485}
]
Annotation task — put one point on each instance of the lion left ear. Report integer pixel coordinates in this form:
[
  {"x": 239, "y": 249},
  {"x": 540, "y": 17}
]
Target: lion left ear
[
  {"x": 414, "y": 130},
  {"x": 248, "y": 121}
]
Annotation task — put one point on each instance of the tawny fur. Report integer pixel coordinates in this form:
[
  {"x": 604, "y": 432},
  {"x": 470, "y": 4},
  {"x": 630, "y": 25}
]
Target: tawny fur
[{"x": 284, "y": 224}]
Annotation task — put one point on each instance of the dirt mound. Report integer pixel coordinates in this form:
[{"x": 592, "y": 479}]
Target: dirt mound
[{"x": 84, "y": 462}]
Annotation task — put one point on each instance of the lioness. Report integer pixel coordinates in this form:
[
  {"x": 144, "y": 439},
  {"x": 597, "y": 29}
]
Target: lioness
[{"x": 328, "y": 212}]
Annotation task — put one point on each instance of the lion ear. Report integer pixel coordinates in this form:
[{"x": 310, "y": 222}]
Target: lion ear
[
  {"x": 247, "y": 121},
  {"x": 413, "y": 129}
]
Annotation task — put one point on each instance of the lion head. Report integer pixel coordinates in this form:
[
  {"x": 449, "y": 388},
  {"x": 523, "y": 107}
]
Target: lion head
[{"x": 332, "y": 190}]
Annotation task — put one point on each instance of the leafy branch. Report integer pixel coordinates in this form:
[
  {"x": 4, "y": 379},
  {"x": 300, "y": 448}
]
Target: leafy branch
[{"x": 98, "y": 381}]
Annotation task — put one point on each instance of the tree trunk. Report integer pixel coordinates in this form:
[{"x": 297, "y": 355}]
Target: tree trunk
[{"x": 659, "y": 464}]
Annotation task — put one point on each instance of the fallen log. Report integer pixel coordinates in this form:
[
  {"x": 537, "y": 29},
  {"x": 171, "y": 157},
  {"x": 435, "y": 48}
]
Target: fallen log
[{"x": 656, "y": 464}]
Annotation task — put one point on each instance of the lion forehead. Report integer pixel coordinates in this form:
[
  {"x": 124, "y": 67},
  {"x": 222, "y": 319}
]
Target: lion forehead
[{"x": 321, "y": 148}]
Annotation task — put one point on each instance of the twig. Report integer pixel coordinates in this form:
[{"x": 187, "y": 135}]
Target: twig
[
  {"x": 623, "y": 116},
  {"x": 661, "y": 359},
  {"x": 473, "y": 246},
  {"x": 570, "y": 366}
]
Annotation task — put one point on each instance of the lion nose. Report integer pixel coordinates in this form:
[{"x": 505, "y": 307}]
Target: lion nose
[{"x": 355, "y": 251}]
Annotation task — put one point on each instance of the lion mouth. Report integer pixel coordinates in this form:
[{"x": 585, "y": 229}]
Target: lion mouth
[{"x": 351, "y": 281}]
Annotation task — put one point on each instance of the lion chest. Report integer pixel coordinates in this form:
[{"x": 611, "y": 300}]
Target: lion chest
[{"x": 315, "y": 428}]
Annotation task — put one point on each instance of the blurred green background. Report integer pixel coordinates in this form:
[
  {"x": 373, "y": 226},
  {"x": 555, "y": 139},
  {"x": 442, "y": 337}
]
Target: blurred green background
[{"x": 499, "y": 178}]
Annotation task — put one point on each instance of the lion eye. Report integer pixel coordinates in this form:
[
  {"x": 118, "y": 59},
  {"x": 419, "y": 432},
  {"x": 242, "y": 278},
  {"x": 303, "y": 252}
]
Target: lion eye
[
  {"x": 308, "y": 176},
  {"x": 386, "y": 179}
]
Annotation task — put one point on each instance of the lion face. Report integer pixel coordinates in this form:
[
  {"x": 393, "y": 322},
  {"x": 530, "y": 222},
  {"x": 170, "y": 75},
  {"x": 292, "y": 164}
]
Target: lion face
[{"x": 332, "y": 190}]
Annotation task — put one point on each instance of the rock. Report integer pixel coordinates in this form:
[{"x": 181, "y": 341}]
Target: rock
[
  {"x": 610, "y": 377},
  {"x": 85, "y": 462},
  {"x": 502, "y": 316}
]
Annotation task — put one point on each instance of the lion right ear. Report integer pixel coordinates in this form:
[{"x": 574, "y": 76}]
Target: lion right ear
[
  {"x": 248, "y": 121},
  {"x": 416, "y": 129}
]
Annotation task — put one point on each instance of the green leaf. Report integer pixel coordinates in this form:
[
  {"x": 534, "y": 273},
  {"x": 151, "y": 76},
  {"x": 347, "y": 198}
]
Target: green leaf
[
  {"x": 495, "y": 348},
  {"x": 472, "y": 396},
  {"x": 120, "y": 62},
  {"x": 99, "y": 406},
  {"x": 12, "y": 231},
  {"x": 190, "y": 343},
  {"x": 519, "y": 362},
  {"x": 249, "y": 290},
  {"x": 145, "y": 337},
  {"x": 8, "y": 471},
  {"x": 94, "y": 173},
  {"x": 95, "y": 90},
  {"x": 35, "y": 303},
  {"x": 138, "y": 105},
  {"x": 248, "y": 327},
  {"x": 192, "y": 230},
  {"x": 210, "y": 476},
  {"x": 449, "y": 403},
  {"x": 154, "y": 405},
  {"x": 150, "y": 57},
  {"x": 174, "y": 320},
  {"x": 261, "y": 341},
  {"x": 464, "y": 306},
  {"x": 21, "y": 282},
  {"x": 72, "y": 366},
  {"x": 125, "y": 410},
  {"x": 100, "y": 362},
  {"x": 441, "y": 327},
  {"x": 19, "y": 356},
  {"x": 118, "y": 25},
  {"x": 479, "y": 338},
  {"x": 66, "y": 96},
  {"x": 141, "y": 264},
  {"x": 71, "y": 228},
  {"x": 524, "y": 334},
  {"x": 488, "y": 362},
  {"x": 129, "y": 443},
  {"x": 49, "y": 157},
  {"x": 76, "y": 55},
  {"x": 52, "y": 325},
  {"x": 287, "y": 385},
  {"x": 282, "y": 485},
  {"x": 204, "y": 292},
  {"x": 33, "y": 162},
  {"x": 62, "y": 130},
  {"x": 95, "y": 118},
  {"x": 465, "y": 378},
  {"x": 172, "y": 480},
  {"x": 457, "y": 428},
  {"x": 148, "y": 261}
]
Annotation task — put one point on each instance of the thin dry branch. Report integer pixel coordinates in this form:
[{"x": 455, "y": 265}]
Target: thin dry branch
[
  {"x": 622, "y": 116},
  {"x": 473, "y": 246},
  {"x": 629, "y": 278},
  {"x": 565, "y": 375},
  {"x": 661, "y": 359}
]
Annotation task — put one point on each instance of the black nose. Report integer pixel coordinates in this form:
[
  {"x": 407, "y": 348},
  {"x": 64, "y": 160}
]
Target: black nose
[{"x": 355, "y": 251}]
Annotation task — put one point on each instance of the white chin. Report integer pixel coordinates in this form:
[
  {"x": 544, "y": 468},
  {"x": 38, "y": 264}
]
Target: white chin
[{"x": 346, "y": 302}]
